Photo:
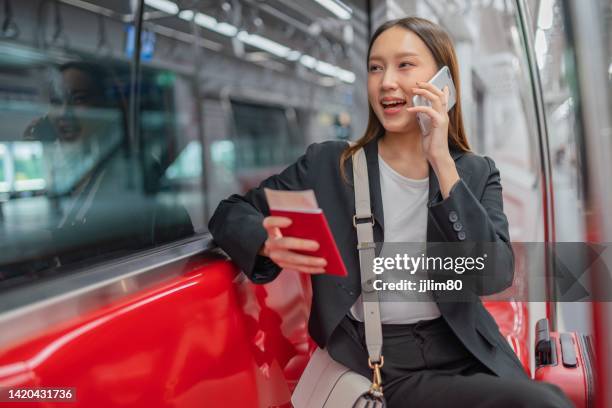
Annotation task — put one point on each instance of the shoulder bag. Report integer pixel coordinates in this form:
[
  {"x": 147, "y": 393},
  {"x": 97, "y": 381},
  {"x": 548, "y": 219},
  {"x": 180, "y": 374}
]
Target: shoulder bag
[{"x": 326, "y": 383}]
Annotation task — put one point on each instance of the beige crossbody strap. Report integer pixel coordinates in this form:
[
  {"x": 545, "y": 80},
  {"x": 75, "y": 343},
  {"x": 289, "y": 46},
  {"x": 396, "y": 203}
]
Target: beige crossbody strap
[{"x": 363, "y": 220}]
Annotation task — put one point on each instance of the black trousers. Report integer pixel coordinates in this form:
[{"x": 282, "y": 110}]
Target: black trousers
[{"x": 426, "y": 365}]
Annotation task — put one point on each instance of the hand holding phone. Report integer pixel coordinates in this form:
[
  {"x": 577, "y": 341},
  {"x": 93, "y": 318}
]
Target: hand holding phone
[
  {"x": 441, "y": 79},
  {"x": 41, "y": 129}
]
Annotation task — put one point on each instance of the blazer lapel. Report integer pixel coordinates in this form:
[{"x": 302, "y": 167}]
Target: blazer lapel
[{"x": 371, "y": 152}]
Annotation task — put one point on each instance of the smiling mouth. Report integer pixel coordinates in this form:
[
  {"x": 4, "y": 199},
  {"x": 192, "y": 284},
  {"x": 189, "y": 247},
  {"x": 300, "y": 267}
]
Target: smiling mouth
[
  {"x": 392, "y": 105},
  {"x": 68, "y": 130}
]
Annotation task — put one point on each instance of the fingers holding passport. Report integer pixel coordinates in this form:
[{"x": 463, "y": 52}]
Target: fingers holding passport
[{"x": 282, "y": 249}]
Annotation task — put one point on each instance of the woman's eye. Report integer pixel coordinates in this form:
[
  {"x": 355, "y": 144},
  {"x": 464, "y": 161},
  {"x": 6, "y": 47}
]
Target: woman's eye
[
  {"x": 404, "y": 64},
  {"x": 373, "y": 68}
]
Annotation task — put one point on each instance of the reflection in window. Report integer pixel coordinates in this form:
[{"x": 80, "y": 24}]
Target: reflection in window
[
  {"x": 558, "y": 77},
  {"x": 223, "y": 154},
  {"x": 188, "y": 164},
  {"x": 75, "y": 189},
  {"x": 21, "y": 168},
  {"x": 27, "y": 169},
  {"x": 263, "y": 136},
  {"x": 98, "y": 160}
]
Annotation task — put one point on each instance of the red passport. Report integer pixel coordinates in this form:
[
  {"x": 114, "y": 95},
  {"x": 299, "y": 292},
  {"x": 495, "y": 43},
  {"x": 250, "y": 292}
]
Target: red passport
[{"x": 308, "y": 223}]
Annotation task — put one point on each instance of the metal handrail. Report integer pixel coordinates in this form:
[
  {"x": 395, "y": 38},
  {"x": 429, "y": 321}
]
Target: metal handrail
[{"x": 544, "y": 151}]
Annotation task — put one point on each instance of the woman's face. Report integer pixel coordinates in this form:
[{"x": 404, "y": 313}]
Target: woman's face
[
  {"x": 398, "y": 59},
  {"x": 76, "y": 111}
]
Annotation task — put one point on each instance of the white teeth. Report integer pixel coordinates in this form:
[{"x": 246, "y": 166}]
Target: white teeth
[{"x": 389, "y": 103}]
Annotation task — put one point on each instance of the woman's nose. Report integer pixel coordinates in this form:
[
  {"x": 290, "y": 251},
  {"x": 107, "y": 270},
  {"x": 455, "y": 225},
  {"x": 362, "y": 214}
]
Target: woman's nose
[
  {"x": 64, "y": 110},
  {"x": 389, "y": 80}
]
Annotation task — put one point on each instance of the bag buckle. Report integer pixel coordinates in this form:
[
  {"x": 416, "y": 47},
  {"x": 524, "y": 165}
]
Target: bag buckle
[
  {"x": 362, "y": 220},
  {"x": 366, "y": 245},
  {"x": 376, "y": 387}
]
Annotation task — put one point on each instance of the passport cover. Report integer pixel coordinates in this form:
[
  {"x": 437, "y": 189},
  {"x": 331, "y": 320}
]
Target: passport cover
[{"x": 312, "y": 224}]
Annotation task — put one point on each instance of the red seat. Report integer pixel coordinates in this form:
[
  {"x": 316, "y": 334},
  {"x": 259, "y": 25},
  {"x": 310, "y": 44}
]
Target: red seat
[{"x": 512, "y": 317}]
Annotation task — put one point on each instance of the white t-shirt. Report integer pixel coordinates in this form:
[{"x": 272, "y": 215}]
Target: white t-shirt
[{"x": 405, "y": 209}]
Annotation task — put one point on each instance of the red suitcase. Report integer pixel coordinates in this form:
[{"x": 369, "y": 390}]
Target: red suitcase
[{"x": 566, "y": 360}]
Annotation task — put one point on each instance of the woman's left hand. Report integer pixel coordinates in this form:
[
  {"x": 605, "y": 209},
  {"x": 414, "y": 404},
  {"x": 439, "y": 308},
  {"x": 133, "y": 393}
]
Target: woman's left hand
[{"x": 435, "y": 143}]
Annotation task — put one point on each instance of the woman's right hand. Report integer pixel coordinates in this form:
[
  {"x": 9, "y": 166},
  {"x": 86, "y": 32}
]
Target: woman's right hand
[{"x": 281, "y": 249}]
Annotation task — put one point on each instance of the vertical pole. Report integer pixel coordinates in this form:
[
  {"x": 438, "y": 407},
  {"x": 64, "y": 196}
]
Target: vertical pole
[
  {"x": 545, "y": 166},
  {"x": 134, "y": 113},
  {"x": 198, "y": 65}
]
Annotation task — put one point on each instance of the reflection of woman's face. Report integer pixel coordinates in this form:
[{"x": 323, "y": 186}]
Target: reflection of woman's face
[
  {"x": 398, "y": 59},
  {"x": 72, "y": 113}
]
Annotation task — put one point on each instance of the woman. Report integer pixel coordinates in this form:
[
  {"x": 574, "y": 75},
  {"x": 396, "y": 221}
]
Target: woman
[{"x": 423, "y": 189}]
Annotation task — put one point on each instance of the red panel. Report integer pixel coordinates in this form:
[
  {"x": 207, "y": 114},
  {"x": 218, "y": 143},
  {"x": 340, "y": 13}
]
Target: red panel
[
  {"x": 512, "y": 316},
  {"x": 513, "y": 319},
  {"x": 199, "y": 339}
]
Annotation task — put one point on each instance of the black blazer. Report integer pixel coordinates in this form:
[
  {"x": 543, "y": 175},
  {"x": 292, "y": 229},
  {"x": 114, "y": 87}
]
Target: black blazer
[{"x": 475, "y": 201}]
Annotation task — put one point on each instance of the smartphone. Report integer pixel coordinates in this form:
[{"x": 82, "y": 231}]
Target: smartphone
[{"x": 441, "y": 79}]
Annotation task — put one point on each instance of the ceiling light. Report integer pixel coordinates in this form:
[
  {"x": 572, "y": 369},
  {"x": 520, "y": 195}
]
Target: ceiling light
[
  {"x": 326, "y": 68},
  {"x": 346, "y": 76},
  {"x": 541, "y": 47},
  {"x": 265, "y": 44},
  {"x": 205, "y": 21},
  {"x": 293, "y": 55},
  {"x": 270, "y": 46},
  {"x": 339, "y": 9},
  {"x": 545, "y": 14},
  {"x": 308, "y": 61},
  {"x": 226, "y": 29},
  {"x": 166, "y": 6},
  {"x": 186, "y": 15},
  {"x": 210, "y": 23}
]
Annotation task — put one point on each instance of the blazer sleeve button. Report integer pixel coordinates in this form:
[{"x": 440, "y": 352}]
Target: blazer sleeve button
[
  {"x": 452, "y": 216},
  {"x": 461, "y": 235},
  {"x": 457, "y": 226}
]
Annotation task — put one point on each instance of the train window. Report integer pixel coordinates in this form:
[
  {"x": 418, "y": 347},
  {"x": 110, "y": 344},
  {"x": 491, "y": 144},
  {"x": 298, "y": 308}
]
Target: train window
[
  {"x": 108, "y": 149},
  {"x": 556, "y": 58},
  {"x": 171, "y": 149},
  {"x": 566, "y": 144},
  {"x": 263, "y": 136},
  {"x": 497, "y": 101},
  {"x": 556, "y": 44},
  {"x": 76, "y": 185}
]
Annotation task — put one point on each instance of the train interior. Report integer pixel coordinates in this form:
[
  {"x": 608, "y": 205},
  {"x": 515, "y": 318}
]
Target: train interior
[{"x": 124, "y": 123}]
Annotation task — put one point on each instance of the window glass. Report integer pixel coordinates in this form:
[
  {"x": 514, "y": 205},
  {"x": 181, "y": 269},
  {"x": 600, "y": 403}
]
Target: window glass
[
  {"x": 76, "y": 186},
  {"x": 263, "y": 136},
  {"x": 498, "y": 104},
  {"x": 559, "y": 65},
  {"x": 106, "y": 153},
  {"x": 554, "y": 60}
]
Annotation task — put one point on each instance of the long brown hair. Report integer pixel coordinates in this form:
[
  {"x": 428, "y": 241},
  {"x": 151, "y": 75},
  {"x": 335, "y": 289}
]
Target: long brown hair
[{"x": 439, "y": 43}]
